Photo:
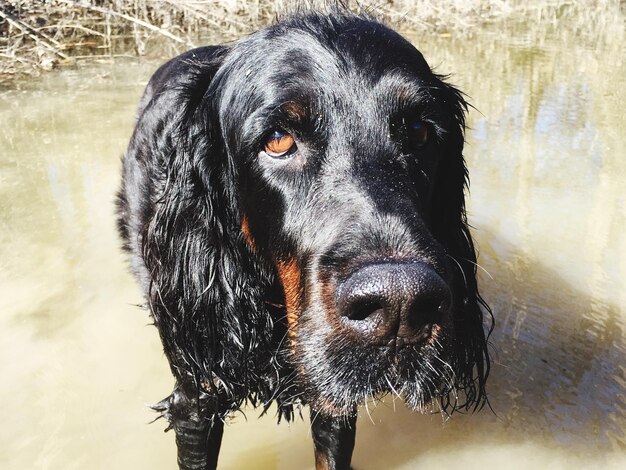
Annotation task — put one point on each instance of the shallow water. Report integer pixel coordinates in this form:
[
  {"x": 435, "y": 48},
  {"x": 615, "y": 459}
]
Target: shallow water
[{"x": 547, "y": 158}]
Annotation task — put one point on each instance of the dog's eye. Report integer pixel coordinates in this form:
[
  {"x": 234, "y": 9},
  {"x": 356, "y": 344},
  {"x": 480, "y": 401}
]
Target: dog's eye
[
  {"x": 417, "y": 132},
  {"x": 280, "y": 144}
]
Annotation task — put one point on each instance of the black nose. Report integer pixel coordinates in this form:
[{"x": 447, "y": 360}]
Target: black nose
[{"x": 393, "y": 301}]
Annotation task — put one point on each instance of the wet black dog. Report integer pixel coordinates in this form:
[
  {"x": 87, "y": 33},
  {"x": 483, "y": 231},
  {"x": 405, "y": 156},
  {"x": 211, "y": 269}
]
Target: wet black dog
[{"x": 294, "y": 207}]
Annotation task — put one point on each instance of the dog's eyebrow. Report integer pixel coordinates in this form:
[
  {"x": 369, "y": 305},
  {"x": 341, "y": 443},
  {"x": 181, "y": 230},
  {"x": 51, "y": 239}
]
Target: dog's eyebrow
[
  {"x": 401, "y": 93},
  {"x": 295, "y": 110},
  {"x": 292, "y": 110},
  {"x": 410, "y": 94},
  {"x": 289, "y": 112}
]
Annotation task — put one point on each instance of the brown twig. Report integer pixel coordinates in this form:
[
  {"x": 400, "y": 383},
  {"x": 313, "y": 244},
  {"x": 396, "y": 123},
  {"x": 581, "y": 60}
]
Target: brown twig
[
  {"x": 30, "y": 32},
  {"x": 78, "y": 27},
  {"x": 136, "y": 21}
]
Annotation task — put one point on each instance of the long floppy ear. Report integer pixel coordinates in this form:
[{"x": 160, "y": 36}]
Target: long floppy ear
[
  {"x": 179, "y": 213},
  {"x": 451, "y": 228}
]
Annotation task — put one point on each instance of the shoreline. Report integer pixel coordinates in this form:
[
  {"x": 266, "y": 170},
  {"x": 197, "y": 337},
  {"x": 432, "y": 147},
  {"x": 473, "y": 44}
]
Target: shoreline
[{"x": 39, "y": 36}]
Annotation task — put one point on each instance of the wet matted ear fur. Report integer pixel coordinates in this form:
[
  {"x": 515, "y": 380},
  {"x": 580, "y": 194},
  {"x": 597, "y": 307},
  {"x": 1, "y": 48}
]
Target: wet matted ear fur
[
  {"x": 450, "y": 227},
  {"x": 183, "y": 227}
]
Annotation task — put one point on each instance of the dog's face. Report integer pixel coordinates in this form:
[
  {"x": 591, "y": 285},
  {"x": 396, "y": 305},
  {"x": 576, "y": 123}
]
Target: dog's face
[{"x": 342, "y": 141}]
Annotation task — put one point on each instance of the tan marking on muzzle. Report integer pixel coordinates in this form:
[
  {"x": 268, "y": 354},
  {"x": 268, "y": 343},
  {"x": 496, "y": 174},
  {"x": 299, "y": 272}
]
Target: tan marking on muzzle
[
  {"x": 291, "y": 280},
  {"x": 247, "y": 235}
]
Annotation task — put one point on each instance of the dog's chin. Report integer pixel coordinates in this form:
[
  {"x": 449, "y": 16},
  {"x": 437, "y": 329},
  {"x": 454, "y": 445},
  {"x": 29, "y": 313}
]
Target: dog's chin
[{"x": 349, "y": 377}]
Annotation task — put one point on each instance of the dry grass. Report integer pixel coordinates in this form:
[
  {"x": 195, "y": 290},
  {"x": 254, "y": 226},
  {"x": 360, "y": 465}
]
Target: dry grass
[{"x": 38, "y": 35}]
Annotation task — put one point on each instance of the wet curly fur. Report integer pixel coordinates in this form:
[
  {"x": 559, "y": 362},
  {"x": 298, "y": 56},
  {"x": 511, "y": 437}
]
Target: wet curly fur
[{"x": 239, "y": 254}]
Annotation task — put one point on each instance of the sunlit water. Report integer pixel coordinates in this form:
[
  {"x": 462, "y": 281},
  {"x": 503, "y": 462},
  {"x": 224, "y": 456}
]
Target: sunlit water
[{"x": 547, "y": 157}]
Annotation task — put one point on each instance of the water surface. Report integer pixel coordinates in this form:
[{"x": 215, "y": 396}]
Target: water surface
[{"x": 547, "y": 158}]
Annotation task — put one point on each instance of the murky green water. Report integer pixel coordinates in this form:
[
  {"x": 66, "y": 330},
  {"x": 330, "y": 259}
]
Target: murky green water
[{"x": 547, "y": 154}]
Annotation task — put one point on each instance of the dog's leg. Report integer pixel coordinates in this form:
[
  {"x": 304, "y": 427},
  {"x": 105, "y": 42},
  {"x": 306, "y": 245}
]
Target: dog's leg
[
  {"x": 198, "y": 426},
  {"x": 334, "y": 440}
]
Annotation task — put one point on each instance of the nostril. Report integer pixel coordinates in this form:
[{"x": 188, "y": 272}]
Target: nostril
[
  {"x": 427, "y": 310},
  {"x": 363, "y": 310},
  {"x": 429, "y": 305}
]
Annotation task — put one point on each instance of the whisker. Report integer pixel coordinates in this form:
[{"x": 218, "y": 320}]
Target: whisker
[
  {"x": 460, "y": 269},
  {"x": 479, "y": 267}
]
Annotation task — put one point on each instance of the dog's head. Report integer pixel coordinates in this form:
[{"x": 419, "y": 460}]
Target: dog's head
[{"x": 339, "y": 153}]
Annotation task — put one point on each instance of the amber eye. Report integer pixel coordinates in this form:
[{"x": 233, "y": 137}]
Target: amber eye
[
  {"x": 417, "y": 132},
  {"x": 280, "y": 144}
]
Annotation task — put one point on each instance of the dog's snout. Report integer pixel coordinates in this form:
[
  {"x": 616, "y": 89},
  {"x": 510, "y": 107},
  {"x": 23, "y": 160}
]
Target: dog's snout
[{"x": 393, "y": 302}]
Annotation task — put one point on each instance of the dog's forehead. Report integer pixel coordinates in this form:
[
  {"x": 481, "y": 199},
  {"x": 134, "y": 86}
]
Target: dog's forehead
[{"x": 291, "y": 59}]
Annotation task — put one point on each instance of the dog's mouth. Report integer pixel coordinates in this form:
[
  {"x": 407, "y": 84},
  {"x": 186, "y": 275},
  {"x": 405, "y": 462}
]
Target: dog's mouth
[
  {"x": 346, "y": 375},
  {"x": 422, "y": 337},
  {"x": 384, "y": 328}
]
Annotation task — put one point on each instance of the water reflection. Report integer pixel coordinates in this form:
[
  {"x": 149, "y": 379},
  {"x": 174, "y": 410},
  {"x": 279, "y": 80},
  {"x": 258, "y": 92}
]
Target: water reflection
[
  {"x": 548, "y": 204},
  {"x": 546, "y": 152}
]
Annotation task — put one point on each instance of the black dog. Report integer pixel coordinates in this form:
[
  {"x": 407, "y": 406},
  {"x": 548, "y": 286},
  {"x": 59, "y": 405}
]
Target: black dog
[{"x": 294, "y": 207}]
